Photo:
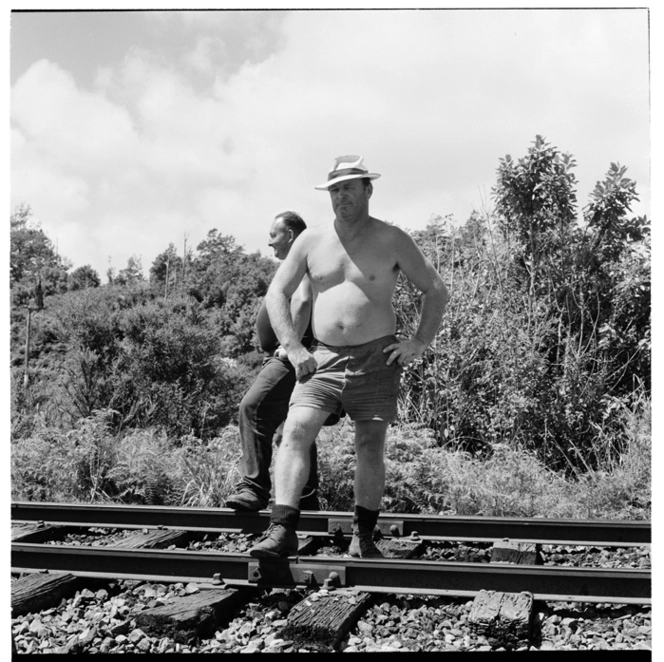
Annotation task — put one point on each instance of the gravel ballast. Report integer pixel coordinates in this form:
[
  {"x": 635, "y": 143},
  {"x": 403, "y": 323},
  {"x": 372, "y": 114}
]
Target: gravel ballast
[
  {"x": 104, "y": 621},
  {"x": 102, "y": 618}
]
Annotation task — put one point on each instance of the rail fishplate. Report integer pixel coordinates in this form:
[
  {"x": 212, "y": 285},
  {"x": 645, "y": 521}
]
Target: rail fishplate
[
  {"x": 282, "y": 573},
  {"x": 388, "y": 527}
]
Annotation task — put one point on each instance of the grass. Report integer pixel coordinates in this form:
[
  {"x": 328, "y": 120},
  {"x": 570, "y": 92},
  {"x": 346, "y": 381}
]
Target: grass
[
  {"x": 421, "y": 477},
  {"x": 91, "y": 464}
]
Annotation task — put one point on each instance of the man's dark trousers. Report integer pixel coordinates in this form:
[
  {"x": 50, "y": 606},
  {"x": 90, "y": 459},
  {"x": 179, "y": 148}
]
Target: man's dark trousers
[{"x": 263, "y": 409}]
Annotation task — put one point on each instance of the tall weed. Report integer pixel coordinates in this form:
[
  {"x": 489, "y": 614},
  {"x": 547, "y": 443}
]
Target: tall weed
[
  {"x": 336, "y": 466},
  {"x": 51, "y": 465},
  {"x": 208, "y": 472},
  {"x": 145, "y": 470},
  {"x": 504, "y": 482},
  {"x": 93, "y": 464}
]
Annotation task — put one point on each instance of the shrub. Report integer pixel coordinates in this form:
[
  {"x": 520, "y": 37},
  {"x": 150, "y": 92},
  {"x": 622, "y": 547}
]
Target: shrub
[
  {"x": 42, "y": 467},
  {"x": 145, "y": 470},
  {"x": 154, "y": 362},
  {"x": 50, "y": 465}
]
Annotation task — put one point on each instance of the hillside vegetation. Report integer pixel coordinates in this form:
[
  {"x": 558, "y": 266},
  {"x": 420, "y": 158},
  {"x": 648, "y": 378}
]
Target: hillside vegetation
[{"x": 534, "y": 398}]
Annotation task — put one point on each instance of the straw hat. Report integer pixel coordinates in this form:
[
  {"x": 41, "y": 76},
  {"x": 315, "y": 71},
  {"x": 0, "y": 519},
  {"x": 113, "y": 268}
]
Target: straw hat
[{"x": 347, "y": 167}]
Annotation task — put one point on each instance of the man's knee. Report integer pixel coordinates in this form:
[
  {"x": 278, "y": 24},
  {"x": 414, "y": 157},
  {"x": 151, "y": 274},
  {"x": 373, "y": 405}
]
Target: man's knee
[
  {"x": 371, "y": 431},
  {"x": 248, "y": 406},
  {"x": 302, "y": 426},
  {"x": 259, "y": 403},
  {"x": 370, "y": 437}
]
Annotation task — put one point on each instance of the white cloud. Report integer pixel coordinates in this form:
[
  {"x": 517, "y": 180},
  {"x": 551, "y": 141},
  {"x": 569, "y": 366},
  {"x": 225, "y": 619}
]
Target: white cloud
[
  {"x": 432, "y": 99},
  {"x": 207, "y": 52},
  {"x": 36, "y": 176},
  {"x": 74, "y": 127}
]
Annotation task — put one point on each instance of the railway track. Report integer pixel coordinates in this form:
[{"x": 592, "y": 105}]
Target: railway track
[
  {"x": 116, "y": 578},
  {"x": 476, "y": 529},
  {"x": 37, "y": 526}
]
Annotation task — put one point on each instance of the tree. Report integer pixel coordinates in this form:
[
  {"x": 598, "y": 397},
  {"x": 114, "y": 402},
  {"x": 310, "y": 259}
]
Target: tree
[
  {"x": 132, "y": 273},
  {"x": 33, "y": 260},
  {"x": 615, "y": 256},
  {"x": 535, "y": 203},
  {"x": 588, "y": 290},
  {"x": 225, "y": 278},
  {"x": 83, "y": 277},
  {"x": 217, "y": 246},
  {"x": 166, "y": 268},
  {"x": 606, "y": 214}
]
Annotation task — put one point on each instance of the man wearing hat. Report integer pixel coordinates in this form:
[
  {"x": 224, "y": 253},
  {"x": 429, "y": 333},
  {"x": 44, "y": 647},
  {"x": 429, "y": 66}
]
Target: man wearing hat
[{"x": 356, "y": 360}]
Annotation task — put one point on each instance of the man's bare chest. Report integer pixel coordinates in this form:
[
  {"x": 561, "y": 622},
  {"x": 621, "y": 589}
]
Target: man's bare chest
[{"x": 332, "y": 264}]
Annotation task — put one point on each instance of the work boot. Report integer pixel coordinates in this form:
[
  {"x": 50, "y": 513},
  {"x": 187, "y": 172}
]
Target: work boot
[
  {"x": 365, "y": 533},
  {"x": 362, "y": 545},
  {"x": 277, "y": 541},
  {"x": 246, "y": 499}
]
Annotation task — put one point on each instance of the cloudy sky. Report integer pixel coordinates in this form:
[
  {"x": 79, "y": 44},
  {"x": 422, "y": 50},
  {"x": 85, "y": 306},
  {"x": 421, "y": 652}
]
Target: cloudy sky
[{"x": 134, "y": 130}]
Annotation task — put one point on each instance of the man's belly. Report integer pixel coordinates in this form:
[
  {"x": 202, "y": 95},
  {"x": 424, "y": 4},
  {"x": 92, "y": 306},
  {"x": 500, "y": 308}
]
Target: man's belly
[{"x": 346, "y": 316}]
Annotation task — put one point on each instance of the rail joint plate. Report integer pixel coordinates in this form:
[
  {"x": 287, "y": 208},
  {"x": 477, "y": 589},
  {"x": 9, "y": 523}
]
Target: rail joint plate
[
  {"x": 388, "y": 527},
  {"x": 283, "y": 573}
]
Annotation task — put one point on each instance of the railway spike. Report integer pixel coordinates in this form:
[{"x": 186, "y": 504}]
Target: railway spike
[{"x": 332, "y": 581}]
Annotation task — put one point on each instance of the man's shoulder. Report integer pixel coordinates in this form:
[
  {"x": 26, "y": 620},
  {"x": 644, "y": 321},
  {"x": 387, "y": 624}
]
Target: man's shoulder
[
  {"x": 316, "y": 230},
  {"x": 389, "y": 230},
  {"x": 311, "y": 235}
]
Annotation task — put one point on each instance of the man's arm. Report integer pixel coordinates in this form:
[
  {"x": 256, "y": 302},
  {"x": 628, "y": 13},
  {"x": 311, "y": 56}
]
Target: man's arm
[
  {"x": 301, "y": 306},
  {"x": 267, "y": 339},
  {"x": 282, "y": 289},
  {"x": 424, "y": 276}
]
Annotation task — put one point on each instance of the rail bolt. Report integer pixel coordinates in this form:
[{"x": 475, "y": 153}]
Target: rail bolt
[
  {"x": 256, "y": 573},
  {"x": 308, "y": 578},
  {"x": 414, "y": 535},
  {"x": 338, "y": 534}
]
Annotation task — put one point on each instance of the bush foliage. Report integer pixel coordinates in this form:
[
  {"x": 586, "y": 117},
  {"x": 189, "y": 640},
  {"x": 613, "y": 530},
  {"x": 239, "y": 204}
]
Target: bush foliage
[
  {"x": 547, "y": 334},
  {"x": 93, "y": 463},
  {"x": 541, "y": 364}
]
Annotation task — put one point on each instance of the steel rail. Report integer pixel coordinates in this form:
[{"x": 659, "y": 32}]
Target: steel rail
[
  {"x": 384, "y": 575},
  {"x": 442, "y": 527}
]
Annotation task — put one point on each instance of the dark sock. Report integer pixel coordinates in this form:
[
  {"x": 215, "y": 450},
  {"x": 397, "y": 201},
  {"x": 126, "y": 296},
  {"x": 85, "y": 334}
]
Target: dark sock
[
  {"x": 285, "y": 515},
  {"x": 365, "y": 519}
]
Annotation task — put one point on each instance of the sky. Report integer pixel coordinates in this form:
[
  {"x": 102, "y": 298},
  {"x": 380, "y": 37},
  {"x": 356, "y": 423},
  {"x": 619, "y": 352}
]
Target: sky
[{"x": 132, "y": 130}]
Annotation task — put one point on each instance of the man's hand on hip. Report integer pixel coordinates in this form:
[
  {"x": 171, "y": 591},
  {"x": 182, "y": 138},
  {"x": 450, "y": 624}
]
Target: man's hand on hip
[
  {"x": 303, "y": 361},
  {"x": 404, "y": 351}
]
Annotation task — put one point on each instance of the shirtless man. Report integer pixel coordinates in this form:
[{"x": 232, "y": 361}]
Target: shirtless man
[{"x": 352, "y": 266}]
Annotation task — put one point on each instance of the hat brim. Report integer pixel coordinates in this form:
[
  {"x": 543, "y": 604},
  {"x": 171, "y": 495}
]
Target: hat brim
[{"x": 343, "y": 178}]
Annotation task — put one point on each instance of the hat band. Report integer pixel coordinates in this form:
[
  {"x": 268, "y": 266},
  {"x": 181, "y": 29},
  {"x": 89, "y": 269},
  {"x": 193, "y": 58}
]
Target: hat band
[{"x": 347, "y": 171}]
